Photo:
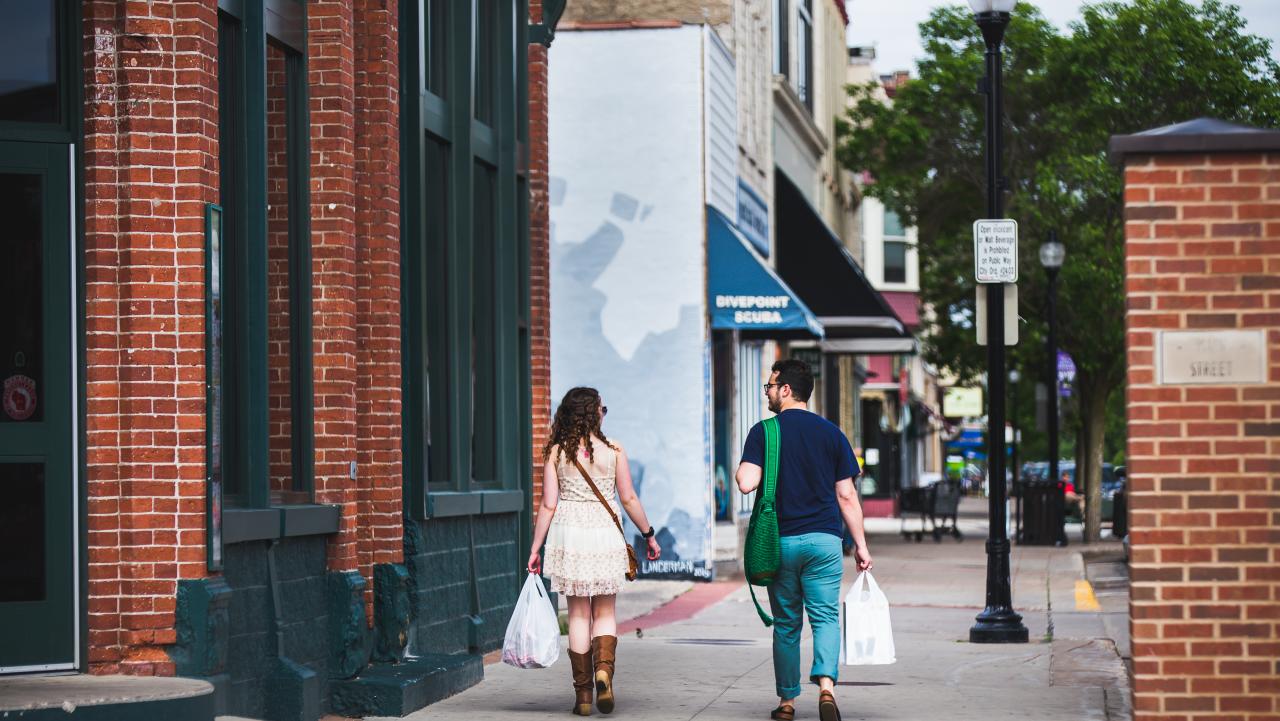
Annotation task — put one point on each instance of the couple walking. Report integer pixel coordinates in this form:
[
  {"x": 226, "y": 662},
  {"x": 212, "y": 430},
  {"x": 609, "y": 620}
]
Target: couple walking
[{"x": 585, "y": 475}]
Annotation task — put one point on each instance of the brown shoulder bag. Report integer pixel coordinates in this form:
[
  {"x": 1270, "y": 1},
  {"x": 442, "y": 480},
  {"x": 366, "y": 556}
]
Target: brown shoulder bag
[{"x": 632, "y": 564}]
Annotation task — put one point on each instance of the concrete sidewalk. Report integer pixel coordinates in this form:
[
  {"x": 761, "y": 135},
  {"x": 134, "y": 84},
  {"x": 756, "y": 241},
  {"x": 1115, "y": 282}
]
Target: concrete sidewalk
[{"x": 717, "y": 663}]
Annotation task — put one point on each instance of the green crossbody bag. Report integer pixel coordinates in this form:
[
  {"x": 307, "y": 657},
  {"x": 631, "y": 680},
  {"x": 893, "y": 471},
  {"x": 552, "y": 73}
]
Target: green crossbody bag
[{"x": 763, "y": 552}]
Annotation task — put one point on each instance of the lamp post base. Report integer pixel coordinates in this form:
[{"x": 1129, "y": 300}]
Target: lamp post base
[{"x": 998, "y": 625}]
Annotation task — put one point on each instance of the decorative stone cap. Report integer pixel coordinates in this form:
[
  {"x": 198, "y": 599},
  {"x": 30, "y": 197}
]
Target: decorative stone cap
[{"x": 1195, "y": 136}]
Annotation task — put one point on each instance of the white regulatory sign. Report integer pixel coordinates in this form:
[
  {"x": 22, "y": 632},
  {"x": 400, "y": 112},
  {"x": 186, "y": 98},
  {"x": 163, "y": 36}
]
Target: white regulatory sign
[{"x": 995, "y": 251}]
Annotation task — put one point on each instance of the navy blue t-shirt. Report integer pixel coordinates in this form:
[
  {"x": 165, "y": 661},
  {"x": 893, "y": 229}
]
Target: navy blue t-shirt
[{"x": 813, "y": 455}]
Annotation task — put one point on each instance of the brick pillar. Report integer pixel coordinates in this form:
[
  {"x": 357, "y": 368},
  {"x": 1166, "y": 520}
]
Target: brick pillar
[
  {"x": 330, "y": 67},
  {"x": 1203, "y": 254},
  {"x": 378, "y": 389},
  {"x": 539, "y": 254},
  {"x": 150, "y": 154}
]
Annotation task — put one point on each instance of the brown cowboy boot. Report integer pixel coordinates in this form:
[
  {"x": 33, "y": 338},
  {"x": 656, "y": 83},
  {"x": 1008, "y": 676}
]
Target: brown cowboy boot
[
  {"x": 605, "y": 649},
  {"x": 581, "y": 664}
]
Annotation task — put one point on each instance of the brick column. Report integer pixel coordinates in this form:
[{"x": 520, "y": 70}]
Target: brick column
[
  {"x": 1203, "y": 254},
  {"x": 539, "y": 254},
  {"x": 378, "y": 389},
  {"x": 330, "y": 68},
  {"x": 150, "y": 157}
]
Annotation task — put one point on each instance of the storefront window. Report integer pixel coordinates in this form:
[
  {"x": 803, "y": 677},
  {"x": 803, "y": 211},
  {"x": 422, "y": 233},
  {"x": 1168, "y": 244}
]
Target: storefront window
[{"x": 29, "y": 88}]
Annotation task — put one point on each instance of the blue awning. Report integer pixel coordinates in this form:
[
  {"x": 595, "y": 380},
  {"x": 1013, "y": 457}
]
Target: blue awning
[{"x": 743, "y": 291}]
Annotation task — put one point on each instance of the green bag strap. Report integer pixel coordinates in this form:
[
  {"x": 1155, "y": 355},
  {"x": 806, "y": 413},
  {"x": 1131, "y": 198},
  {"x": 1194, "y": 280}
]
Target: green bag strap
[
  {"x": 768, "y": 491},
  {"x": 772, "y": 441}
]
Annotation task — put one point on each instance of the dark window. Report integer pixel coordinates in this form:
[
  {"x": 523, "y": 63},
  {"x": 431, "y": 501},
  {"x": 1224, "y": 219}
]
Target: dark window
[
  {"x": 430, "y": 312},
  {"x": 484, "y": 377},
  {"x": 895, "y": 261},
  {"x": 462, "y": 241},
  {"x": 21, "y": 291},
  {"x": 804, "y": 52},
  {"x": 486, "y": 65},
  {"x": 895, "y": 249},
  {"x": 434, "y": 29},
  {"x": 29, "y": 88},
  {"x": 22, "y": 533}
]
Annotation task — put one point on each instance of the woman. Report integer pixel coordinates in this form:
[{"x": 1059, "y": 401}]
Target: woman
[{"x": 586, "y": 553}]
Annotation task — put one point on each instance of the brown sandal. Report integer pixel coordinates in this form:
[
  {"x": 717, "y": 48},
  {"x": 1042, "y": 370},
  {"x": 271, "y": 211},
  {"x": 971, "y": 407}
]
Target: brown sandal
[
  {"x": 827, "y": 709},
  {"x": 785, "y": 712}
]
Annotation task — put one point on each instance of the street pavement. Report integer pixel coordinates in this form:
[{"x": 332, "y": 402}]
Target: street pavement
[{"x": 705, "y": 655}]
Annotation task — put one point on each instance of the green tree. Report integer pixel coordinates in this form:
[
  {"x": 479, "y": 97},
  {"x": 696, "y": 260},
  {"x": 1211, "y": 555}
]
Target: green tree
[{"x": 1124, "y": 67}]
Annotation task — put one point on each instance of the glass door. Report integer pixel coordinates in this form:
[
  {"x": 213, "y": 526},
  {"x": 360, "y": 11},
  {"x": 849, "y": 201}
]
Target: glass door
[{"x": 38, "y": 616}]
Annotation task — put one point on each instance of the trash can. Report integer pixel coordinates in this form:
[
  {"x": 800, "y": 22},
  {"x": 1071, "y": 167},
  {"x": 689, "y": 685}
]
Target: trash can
[
  {"x": 1120, "y": 514},
  {"x": 1043, "y": 514}
]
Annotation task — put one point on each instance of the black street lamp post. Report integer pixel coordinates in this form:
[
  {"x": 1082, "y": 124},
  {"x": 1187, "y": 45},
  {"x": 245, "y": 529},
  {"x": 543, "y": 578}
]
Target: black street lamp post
[
  {"x": 1052, "y": 254},
  {"x": 998, "y": 622}
]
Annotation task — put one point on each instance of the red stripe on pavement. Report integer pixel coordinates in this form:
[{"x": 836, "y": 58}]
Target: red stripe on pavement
[{"x": 682, "y": 607}]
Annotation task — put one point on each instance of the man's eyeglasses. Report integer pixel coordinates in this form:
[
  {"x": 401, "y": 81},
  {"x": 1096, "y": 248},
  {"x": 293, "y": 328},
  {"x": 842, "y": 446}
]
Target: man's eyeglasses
[{"x": 767, "y": 386}]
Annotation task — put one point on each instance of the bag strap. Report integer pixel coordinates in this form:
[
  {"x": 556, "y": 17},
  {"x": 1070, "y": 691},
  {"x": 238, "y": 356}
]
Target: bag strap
[
  {"x": 771, "y": 451},
  {"x": 587, "y": 477},
  {"x": 768, "y": 490}
]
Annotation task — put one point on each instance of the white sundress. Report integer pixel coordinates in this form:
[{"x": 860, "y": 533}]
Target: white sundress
[{"x": 585, "y": 553}]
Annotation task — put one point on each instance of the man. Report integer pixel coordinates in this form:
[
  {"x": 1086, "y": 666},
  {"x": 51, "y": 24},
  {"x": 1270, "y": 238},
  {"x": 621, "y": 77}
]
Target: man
[{"x": 814, "y": 495}]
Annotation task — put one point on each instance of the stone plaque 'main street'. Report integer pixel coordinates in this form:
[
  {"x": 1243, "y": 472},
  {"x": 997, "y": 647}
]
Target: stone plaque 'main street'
[{"x": 1224, "y": 357}]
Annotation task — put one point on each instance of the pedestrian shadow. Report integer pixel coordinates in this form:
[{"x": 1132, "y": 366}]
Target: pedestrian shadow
[{"x": 863, "y": 683}]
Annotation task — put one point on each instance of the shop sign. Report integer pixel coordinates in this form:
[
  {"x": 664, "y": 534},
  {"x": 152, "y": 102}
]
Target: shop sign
[
  {"x": 960, "y": 402},
  {"x": 19, "y": 397}
]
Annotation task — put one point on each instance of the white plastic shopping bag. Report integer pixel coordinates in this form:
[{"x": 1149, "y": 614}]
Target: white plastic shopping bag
[
  {"x": 868, "y": 635},
  {"x": 533, "y": 634}
]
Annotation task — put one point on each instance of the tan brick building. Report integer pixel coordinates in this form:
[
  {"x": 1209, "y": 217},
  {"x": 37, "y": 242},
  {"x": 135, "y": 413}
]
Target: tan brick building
[{"x": 1202, "y": 216}]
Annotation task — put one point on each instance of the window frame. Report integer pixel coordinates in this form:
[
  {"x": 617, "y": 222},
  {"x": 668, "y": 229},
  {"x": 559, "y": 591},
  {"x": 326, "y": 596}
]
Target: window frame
[
  {"x": 246, "y": 389},
  {"x": 897, "y": 240},
  {"x": 441, "y": 307},
  {"x": 804, "y": 41}
]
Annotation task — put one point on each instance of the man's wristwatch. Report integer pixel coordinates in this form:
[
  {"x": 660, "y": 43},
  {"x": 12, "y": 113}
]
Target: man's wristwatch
[{"x": 649, "y": 533}]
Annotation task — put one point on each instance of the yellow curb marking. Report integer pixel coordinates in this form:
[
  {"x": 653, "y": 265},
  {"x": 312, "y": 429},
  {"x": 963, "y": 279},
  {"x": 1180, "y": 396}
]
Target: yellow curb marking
[{"x": 1085, "y": 598}]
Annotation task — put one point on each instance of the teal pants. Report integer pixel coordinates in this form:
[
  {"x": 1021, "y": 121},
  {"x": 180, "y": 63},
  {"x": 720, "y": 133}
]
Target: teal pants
[{"x": 808, "y": 582}]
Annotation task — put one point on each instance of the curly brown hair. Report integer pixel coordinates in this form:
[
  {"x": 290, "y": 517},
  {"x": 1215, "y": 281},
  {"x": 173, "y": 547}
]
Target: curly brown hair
[{"x": 577, "y": 421}]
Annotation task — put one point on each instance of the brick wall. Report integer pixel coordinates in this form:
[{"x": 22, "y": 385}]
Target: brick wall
[
  {"x": 150, "y": 154},
  {"x": 1203, "y": 252},
  {"x": 539, "y": 254}
]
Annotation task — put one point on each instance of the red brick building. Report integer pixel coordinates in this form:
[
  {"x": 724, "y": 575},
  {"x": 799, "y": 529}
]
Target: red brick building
[
  {"x": 277, "y": 342},
  {"x": 1202, "y": 212}
]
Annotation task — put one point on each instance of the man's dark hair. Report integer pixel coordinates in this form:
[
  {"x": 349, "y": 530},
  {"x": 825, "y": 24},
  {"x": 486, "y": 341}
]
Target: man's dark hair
[{"x": 798, "y": 375}]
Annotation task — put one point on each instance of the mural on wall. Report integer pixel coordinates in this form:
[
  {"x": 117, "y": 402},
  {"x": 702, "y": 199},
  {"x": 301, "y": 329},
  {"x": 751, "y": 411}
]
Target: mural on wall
[{"x": 628, "y": 298}]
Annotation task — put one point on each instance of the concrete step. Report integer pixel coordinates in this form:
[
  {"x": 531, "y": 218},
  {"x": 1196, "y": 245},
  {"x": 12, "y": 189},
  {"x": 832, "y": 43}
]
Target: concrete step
[
  {"x": 400, "y": 689},
  {"x": 82, "y": 697}
]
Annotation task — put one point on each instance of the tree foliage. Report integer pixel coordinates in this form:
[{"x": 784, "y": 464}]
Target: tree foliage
[{"x": 1124, "y": 67}]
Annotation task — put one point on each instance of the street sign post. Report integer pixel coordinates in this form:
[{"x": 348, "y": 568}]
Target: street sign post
[{"x": 995, "y": 251}]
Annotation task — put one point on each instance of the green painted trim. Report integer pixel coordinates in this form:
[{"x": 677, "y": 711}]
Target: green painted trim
[
  {"x": 265, "y": 524},
  {"x": 249, "y": 524},
  {"x": 309, "y": 520},
  {"x": 454, "y": 503},
  {"x": 502, "y": 501},
  {"x": 458, "y": 327},
  {"x": 254, "y": 459},
  {"x": 75, "y": 54}
]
